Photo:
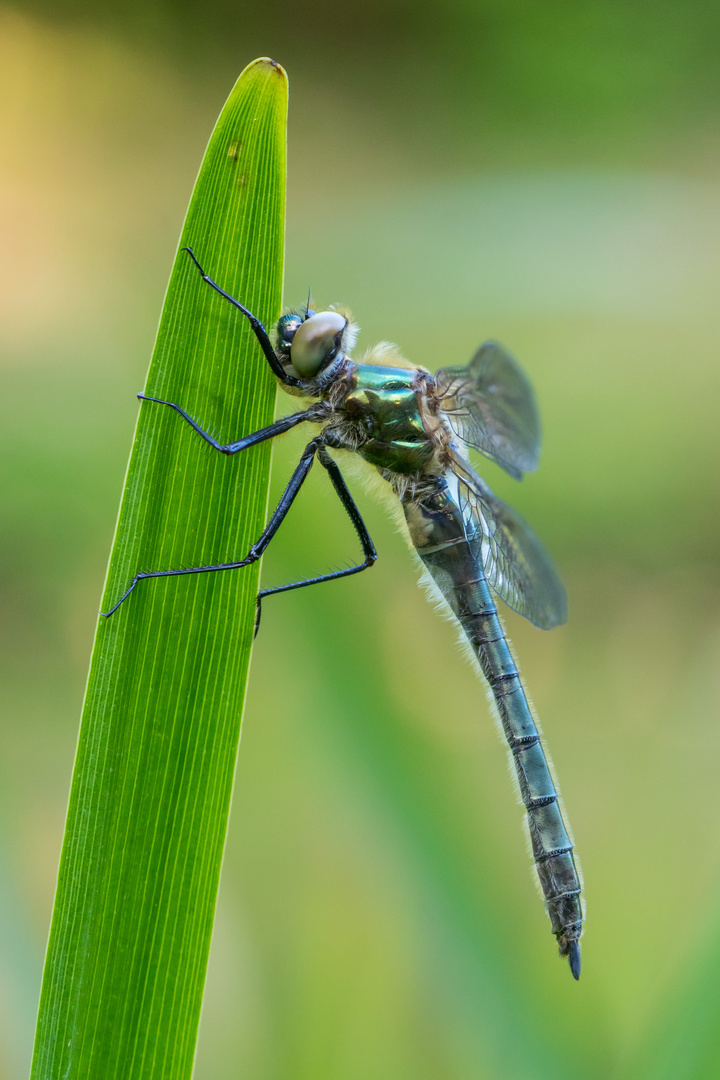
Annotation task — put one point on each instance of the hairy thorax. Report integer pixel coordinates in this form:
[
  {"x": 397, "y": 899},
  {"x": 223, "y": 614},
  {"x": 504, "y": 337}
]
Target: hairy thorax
[{"x": 389, "y": 416}]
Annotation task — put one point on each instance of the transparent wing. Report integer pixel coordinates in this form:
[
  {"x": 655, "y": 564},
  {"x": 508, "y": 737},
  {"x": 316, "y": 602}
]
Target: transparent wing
[
  {"x": 515, "y": 562},
  {"x": 490, "y": 405}
]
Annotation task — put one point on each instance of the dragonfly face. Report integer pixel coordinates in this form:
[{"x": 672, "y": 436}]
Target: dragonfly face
[
  {"x": 417, "y": 430},
  {"x": 308, "y": 345}
]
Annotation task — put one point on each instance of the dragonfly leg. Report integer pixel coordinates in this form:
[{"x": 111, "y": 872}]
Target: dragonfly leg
[
  {"x": 269, "y": 432},
  {"x": 288, "y": 497},
  {"x": 343, "y": 492},
  {"x": 257, "y": 327}
]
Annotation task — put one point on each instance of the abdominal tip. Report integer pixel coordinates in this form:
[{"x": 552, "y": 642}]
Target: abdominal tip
[{"x": 574, "y": 959}]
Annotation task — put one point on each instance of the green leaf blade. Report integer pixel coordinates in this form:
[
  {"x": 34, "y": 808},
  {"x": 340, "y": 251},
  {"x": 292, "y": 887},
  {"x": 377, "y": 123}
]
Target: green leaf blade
[{"x": 153, "y": 776}]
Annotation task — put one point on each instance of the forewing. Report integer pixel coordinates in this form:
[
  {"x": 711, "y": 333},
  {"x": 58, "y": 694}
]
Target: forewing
[
  {"x": 490, "y": 405},
  {"x": 515, "y": 562}
]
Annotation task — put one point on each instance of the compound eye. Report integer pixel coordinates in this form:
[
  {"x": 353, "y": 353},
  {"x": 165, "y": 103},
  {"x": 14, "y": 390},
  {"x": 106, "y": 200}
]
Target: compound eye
[
  {"x": 316, "y": 343},
  {"x": 286, "y": 329}
]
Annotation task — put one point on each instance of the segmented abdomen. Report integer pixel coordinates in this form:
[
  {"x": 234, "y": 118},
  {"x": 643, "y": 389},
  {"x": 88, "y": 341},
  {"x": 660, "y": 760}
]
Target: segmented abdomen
[{"x": 454, "y": 562}]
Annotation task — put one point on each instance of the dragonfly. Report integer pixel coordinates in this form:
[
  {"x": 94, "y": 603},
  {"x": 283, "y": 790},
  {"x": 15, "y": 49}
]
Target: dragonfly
[{"x": 417, "y": 430}]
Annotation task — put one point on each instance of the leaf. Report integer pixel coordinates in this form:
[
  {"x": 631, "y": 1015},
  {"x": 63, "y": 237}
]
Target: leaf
[{"x": 140, "y": 864}]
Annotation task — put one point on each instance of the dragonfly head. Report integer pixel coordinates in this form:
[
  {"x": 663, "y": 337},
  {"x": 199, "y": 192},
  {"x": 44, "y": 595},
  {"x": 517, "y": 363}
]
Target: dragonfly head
[{"x": 310, "y": 342}]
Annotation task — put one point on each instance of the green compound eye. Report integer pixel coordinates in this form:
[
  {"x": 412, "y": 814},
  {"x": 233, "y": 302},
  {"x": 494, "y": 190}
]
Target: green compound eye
[
  {"x": 286, "y": 329},
  {"x": 316, "y": 342}
]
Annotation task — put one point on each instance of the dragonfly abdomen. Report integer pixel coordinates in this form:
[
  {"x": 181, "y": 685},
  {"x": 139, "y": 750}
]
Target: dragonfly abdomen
[
  {"x": 551, "y": 844},
  {"x": 454, "y": 561}
]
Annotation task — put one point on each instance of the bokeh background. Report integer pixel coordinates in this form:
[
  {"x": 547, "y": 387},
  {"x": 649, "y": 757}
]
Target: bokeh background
[{"x": 538, "y": 171}]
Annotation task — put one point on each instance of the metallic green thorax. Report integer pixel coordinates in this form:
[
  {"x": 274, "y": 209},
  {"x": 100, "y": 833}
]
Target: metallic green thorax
[{"x": 384, "y": 404}]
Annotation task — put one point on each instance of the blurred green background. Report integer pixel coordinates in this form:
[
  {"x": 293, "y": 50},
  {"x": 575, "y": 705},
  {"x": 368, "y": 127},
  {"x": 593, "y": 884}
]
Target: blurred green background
[{"x": 545, "y": 173}]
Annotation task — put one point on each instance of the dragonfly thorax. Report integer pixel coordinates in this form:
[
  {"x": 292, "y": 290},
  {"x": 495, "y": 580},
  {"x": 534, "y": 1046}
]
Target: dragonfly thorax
[{"x": 383, "y": 404}]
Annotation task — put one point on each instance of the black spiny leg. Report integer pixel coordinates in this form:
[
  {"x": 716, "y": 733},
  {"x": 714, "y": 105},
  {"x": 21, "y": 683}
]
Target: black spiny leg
[
  {"x": 258, "y": 329},
  {"x": 296, "y": 481},
  {"x": 269, "y": 432},
  {"x": 338, "y": 482}
]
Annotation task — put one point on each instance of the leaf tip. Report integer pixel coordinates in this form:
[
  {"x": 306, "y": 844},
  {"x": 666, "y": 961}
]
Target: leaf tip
[{"x": 270, "y": 64}]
